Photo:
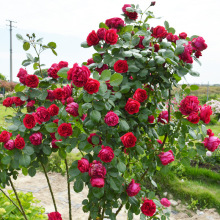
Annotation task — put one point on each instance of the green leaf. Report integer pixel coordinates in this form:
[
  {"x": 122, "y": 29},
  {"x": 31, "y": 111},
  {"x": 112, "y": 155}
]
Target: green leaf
[
  {"x": 97, "y": 57},
  {"x": 24, "y": 160},
  {"x": 13, "y": 128},
  {"x": 52, "y": 45},
  {"x": 26, "y": 46},
  {"x": 171, "y": 30},
  {"x": 98, "y": 192},
  {"x": 204, "y": 131},
  {"x": 127, "y": 36},
  {"x": 194, "y": 87},
  {"x": 166, "y": 24},
  {"x": 28, "y": 150},
  {"x": 168, "y": 54},
  {"x": 63, "y": 72},
  {"x": 185, "y": 161},
  {"x": 123, "y": 125},
  {"x": 95, "y": 116},
  {"x": 135, "y": 41},
  {"x": 121, "y": 167},
  {"x": 103, "y": 25},
  {"x": 84, "y": 44},
  {"x": 194, "y": 73},
  {"x": 51, "y": 127},
  {"x": 133, "y": 68},
  {"x": 116, "y": 79},
  {"x": 115, "y": 184},
  {"x": 43, "y": 95},
  {"x": 6, "y": 160},
  {"x": 19, "y": 88},
  {"x": 192, "y": 134},
  {"x": 47, "y": 150},
  {"x": 19, "y": 37},
  {"x": 159, "y": 60},
  {"x": 95, "y": 140},
  {"x": 32, "y": 171},
  {"x": 78, "y": 186},
  {"x": 87, "y": 97},
  {"x": 179, "y": 50},
  {"x": 106, "y": 74}
]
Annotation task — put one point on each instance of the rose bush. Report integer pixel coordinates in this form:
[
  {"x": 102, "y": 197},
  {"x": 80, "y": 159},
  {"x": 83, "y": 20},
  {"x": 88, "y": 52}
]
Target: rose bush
[{"x": 113, "y": 110}]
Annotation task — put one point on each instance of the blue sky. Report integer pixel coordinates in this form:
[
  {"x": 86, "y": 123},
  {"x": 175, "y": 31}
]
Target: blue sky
[{"x": 68, "y": 23}]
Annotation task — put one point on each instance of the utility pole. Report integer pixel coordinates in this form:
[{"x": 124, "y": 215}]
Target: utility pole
[
  {"x": 208, "y": 92},
  {"x": 11, "y": 47}
]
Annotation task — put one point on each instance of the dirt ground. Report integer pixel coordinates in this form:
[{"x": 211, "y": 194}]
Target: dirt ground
[{"x": 38, "y": 186}]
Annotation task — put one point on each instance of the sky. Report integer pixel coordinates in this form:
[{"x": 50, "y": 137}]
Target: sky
[{"x": 68, "y": 22}]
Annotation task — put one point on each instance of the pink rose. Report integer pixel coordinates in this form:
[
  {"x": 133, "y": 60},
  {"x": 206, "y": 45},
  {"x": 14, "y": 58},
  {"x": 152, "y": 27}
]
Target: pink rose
[
  {"x": 31, "y": 103},
  {"x": 166, "y": 157},
  {"x": 106, "y": 154},
  {"x": 36, "y": 138},
  {"x": 97, "y": 182},
  {"x": 185, "y": 56},
  {"x": 211, "y": 143},
  {"x": 199, "y": 44},
  {"x": 205, "y": 113},
  {"x": 54, "y": 216},
  {"x": 9, "y": 145},
  {"x": 72, "y": 108},
  {"x": 133, "y": 188},
  {"x": 111, "y": 119},
  {"x": 83, "y": 165},
  {"x": 165, "y": 202}
]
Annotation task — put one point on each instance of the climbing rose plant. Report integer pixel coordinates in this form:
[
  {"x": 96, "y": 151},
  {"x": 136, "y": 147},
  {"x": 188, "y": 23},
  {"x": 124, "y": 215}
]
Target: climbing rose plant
[{"x": 117, "y": 109}]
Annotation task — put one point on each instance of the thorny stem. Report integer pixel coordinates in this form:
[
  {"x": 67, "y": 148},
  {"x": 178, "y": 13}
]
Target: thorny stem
[
  {"x": 19, "y": 202},
  {"x": 48, "y": 182},
  {"x": 68, "y": 184},
  {"x": 11, "y": 201}
]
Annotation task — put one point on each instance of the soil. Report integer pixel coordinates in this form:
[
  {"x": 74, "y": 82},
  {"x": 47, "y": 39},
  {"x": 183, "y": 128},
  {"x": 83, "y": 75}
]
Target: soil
[{"x": 38, "y": 186}]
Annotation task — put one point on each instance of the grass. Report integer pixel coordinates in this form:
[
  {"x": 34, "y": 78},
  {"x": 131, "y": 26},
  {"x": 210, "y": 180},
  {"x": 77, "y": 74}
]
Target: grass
[{"x": 215, "y": 128}]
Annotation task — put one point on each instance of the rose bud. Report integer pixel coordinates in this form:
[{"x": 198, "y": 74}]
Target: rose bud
[
  {"x": 159, "y": 141},
  {"x": 97, "y": 182},
  {"x": 165, "y": 202},
  {"x": 62, "y": 64},
  {"x": 36, "y": 138},
  {"x": 148, "y": 208},
  {"x": 5, "y": 136},
  {"x": 133, "y": 188},
  {"x": 111, "y": 119},
  {"x": 101, "y": 34},
  {"x": 210, "y": 133},
  {"x": 83, "y": 165},
  {"x": 152, "y": 3},
  {"x": 72, "y": 108},
  {"x": 183, "y": 35},
  {"x": 106, "y": 154},
  {"x": 9, "y": 145},
  {"x": 97, "y": 170},
  {"x": 211, "y": 143},
  {"x": 166, "y": 157}
]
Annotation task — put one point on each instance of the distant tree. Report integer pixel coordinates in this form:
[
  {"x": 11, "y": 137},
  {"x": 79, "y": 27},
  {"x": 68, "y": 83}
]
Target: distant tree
[{"x": 2, "y": 77}]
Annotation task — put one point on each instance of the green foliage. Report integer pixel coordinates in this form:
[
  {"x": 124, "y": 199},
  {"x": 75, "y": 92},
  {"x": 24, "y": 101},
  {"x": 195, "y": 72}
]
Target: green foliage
[
  {"x": 2, "y": 77},
  {"x": 8, "y": 211}
]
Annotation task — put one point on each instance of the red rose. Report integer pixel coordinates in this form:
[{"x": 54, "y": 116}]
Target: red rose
[
  {"x": 132, "y": 106},
  {"x": 210, "y": 133},
  {"x": 125, "y": 6},
  {"x": 111, "y": 119},
  {"x": 78, "y": 75},
  {"x": 5, "y": 136},
  {"x": 186, "y": 55},
  {"x": 53, "y": 70},
  {"x": 9, "y": 145},
  {"x": 18, "y": 101},
  {"x": 193, "y": 117},
  {"x": 97, "y": 170},
  {"x": 156, "y": 47},
  {"x": 36, "y": 138},
  {"x": 128, "y": 140},
  {"x": 205, "y": 113},
  {"x": 90, "y": 61},
  {"x": 199, "y": 44},
  {"x": 140, "y": 44},
  {"x": 92, "y": 39},
  {"x": 22, "y": 74},
  {"x": 159, "y": 141},
  {"x": 29, "y": 121},
  {"x": 198, "y": 54},
  {"x": 131, "y": 15},
  {"x": 58, "y": 93},
  {"x": 151, "y": 119},
  {"x": 52, "y": 135},
  {"x": 92, "y": 86},
  {"x": 172, "y": 38},
  {"x": 72, "y": 108},
  {"x": 115, "y": 23},
  {"x": 189, "y": 104},
  {"x": 152, "y": 3},
  {"x": 163, "y": 117},
  {"x": 166, "y": 157},
  {"x": 65, "y": 129},
  {"x": 54, "y": 216},
  {"x": 121, "y": 66},
  {"x": 31, "y": 103},
  {"x": 53, "y": 110},
  {"x": 32, "y": 81},
  {"x": 133, "y": 188},
  {"x": 148, "y": 208},
  {"x": 50, "y": 95},
  {"x": 69, "y": 100},
  {"x": 99, "y": 70},
  {"x": 8, "y": 102},
  {"x": 183, "y": 35},
  {"x": 97, "y": 182},
  {"x": 109, "y": 86},
  {"x": 83, "y": 117},
  {"x": 41, "y": 115},
  {"x": 140, "y": 95},
  {"x": 19, "y": 142},
  {"x": 101, "y": 34},
  {"x": 106, "y": 154},
  {"x": 89, "y": 139},
  {"x": 62, "y": 64},
  {"x": 83, "y": 165},
  {"x": 165, "y": 202},
  {"x": 211, "y": 143},
  {"x": 159, "y": 32},
  {"x": 111, "y": 37},
  {"x": 53, "y": 143}
]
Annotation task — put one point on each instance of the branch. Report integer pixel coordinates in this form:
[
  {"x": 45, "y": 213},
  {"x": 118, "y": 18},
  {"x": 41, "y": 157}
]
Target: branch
[
  {"x": 119, "y": 209},
  {"x": 68, "y": 184}
]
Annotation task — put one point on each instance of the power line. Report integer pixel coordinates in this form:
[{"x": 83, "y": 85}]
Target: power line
[{"x": 11, "y": 26}]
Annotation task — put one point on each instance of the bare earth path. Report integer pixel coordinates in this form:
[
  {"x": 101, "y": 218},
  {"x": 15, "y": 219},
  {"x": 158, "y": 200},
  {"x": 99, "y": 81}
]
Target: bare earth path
[{"x": 38, "y": 186}]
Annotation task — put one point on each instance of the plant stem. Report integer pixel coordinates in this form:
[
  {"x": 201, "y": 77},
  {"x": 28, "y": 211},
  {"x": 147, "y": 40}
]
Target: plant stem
[
  {"x": 119, "y": 209},
  {"x": 19, "y": 202},
  {"x": 68, "y": 184},
  {"x": 48, "y": 182},
  {"x": 11, "y": 201}
]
